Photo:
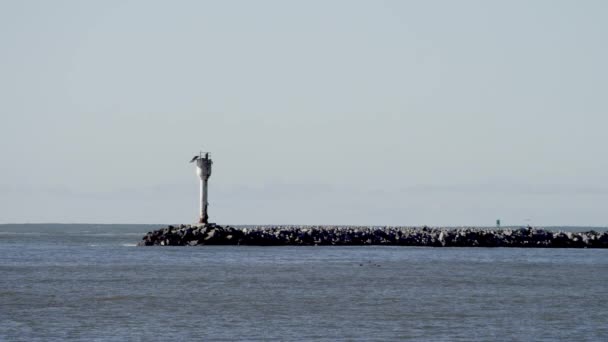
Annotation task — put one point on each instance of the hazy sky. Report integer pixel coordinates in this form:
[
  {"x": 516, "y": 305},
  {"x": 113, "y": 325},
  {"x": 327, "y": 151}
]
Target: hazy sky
[{"x": 316, "y": 112}]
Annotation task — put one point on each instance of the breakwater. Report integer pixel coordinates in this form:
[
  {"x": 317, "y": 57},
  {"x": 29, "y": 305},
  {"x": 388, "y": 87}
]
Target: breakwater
[{"x": 212, "y": 234}]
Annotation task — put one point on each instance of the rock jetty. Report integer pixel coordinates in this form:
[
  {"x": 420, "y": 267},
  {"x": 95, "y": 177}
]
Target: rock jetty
[{"x": 212, "y": 234}]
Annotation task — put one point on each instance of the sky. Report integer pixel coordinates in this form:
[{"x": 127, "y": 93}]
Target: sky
[{"x": 315, "y": 112}]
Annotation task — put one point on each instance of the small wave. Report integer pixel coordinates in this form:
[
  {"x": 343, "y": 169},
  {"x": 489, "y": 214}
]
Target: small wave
[
  {"x": 24, "y": 233},
  {"x": 115, "y": 298},
  {"x": 129, "y": 244},
  {"x": 105, "y": 234}
]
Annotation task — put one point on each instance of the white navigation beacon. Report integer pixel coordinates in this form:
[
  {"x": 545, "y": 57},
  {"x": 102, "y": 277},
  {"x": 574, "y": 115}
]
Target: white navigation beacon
[{"x": 203, "y": 170}]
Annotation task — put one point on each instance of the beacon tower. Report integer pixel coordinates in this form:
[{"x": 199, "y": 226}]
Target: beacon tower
[{"x": 203, "y": 170}]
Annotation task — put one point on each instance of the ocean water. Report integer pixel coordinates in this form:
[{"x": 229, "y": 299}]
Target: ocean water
[{"x": 90, "y": 283}]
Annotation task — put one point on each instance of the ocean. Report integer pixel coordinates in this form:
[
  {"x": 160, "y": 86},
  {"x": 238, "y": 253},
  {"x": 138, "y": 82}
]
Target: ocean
[{"x": 91, "y": 283}]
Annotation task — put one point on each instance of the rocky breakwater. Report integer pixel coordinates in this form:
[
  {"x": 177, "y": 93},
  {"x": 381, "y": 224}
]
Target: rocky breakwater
[{"x": 212, "y": 234}]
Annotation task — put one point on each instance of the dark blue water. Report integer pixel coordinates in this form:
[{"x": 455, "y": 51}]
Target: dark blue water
[{"x": 90, "y": 283}]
